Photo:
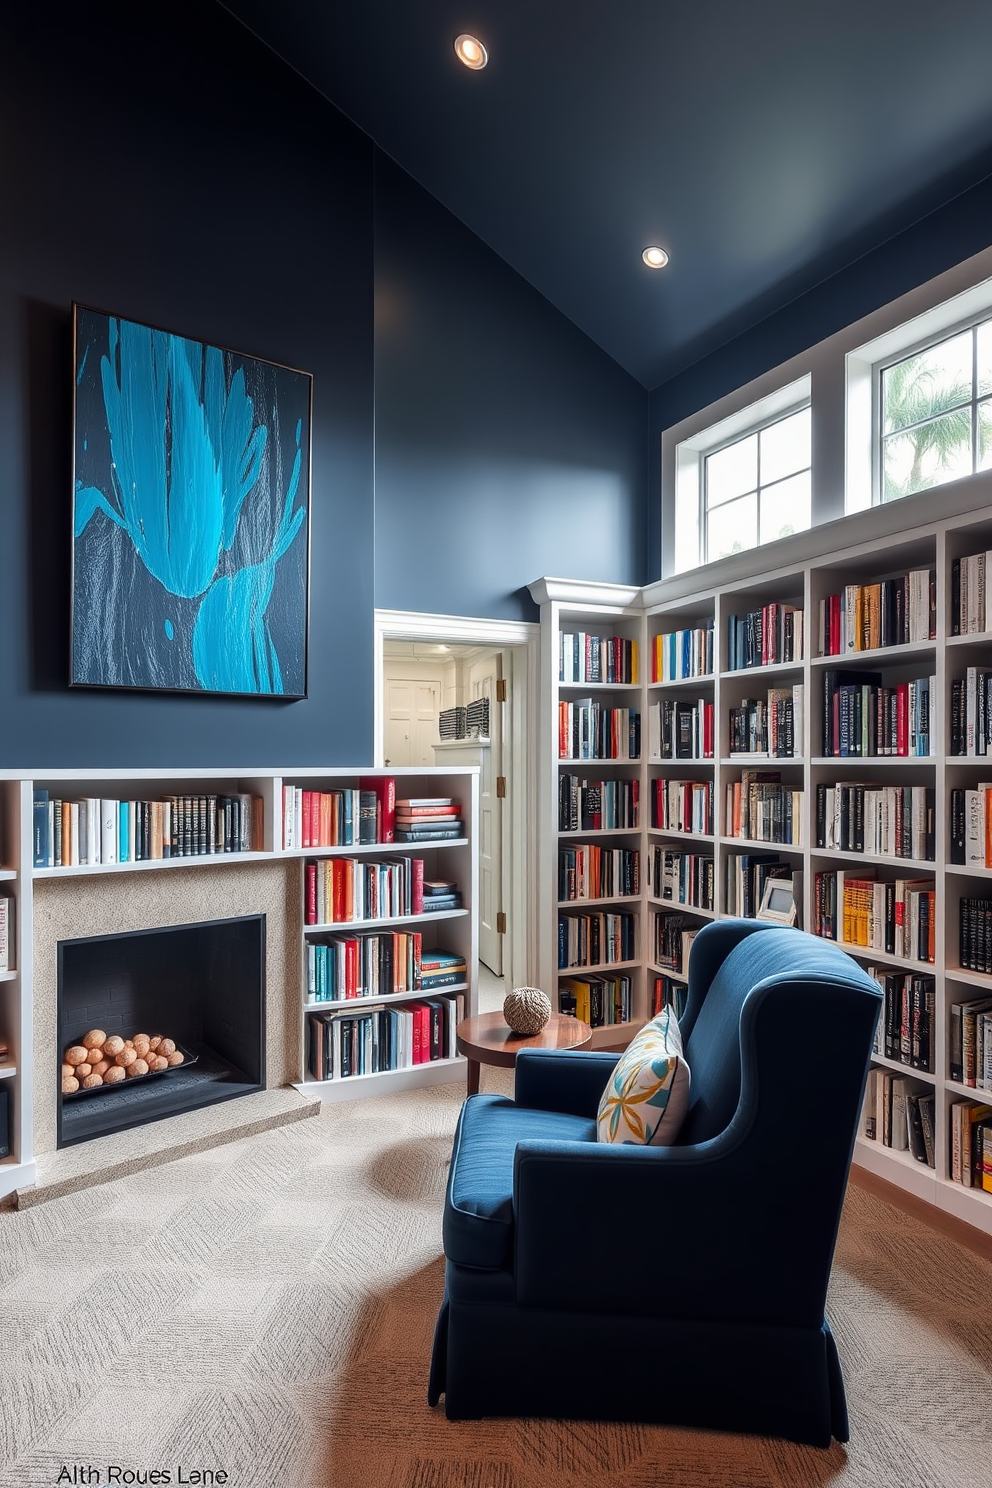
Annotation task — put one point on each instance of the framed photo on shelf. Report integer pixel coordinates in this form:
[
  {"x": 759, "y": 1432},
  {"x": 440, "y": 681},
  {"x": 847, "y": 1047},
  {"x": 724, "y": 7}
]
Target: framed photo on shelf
[
  {"x": 191, "y": 514},
  {"x": 778, "y": 902}
]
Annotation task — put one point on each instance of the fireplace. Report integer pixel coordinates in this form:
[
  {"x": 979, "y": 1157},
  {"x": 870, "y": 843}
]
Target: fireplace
[{"x": 202, "y": 985}]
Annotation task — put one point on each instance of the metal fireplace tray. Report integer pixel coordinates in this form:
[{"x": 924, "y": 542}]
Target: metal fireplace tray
[{"x": 189, "y": 1058}]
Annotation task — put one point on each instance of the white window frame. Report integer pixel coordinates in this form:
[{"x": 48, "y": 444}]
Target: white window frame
[
  {"x": 690, "y": 463},
  {"x": 864, "y": 367}
]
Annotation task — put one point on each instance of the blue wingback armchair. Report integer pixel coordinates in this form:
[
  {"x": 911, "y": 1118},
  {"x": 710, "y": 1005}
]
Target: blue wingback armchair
[{"x": 680, "y": 1284}]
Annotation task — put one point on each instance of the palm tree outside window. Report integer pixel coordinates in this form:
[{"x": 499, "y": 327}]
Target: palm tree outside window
[{"x": 936, "y": 414}]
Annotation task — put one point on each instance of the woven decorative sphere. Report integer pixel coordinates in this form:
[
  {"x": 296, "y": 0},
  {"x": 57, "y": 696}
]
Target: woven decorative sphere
[{"x": 526, "y": 1009}]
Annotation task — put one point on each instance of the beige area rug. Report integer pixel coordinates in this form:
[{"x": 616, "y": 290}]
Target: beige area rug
[{"x": 265, "y": 1310}]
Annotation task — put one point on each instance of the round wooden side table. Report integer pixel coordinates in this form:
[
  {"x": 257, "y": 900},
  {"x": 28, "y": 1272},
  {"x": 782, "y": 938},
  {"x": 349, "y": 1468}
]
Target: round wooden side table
[{"x": 488, "y": 1039}]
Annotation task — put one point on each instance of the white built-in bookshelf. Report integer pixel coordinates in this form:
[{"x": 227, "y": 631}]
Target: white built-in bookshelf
[
  {"x": 454, "y": 930},
  {"x": 590, "y": 783},
  {"x": 697, "y": 843},
  {"x": 261, "y": 795}
]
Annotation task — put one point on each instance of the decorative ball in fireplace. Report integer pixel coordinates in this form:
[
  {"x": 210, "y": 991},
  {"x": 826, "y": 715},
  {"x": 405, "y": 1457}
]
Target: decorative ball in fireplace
[{"x": 99, "y": 1061}]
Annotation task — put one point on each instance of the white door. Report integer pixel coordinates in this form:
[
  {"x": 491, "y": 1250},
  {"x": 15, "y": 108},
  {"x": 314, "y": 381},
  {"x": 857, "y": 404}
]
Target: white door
[
  {"x": 480, "y": 682},
  {"x": 411, "y": 709}
]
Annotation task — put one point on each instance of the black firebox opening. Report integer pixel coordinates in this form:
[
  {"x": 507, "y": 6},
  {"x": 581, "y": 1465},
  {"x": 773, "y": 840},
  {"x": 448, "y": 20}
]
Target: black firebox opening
[{"x": 202, "y": 985}]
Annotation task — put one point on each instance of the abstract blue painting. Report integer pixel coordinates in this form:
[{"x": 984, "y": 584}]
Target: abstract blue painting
[{"x": 191, "y": 514}]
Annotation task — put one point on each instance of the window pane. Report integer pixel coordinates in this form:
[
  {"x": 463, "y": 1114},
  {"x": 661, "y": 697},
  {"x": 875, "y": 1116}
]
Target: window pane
[
  {"x": 928, "y": 456},
  {"x": 985, "y": 435},
  {"x": 785, "y": 507},
  {"x": 732, "y": 471},
  {"x": 732, "y": 528},
  {"x": 984, "y": 333},
  {"x": 927, "y": 384},
  {"x": 785, "y": 447}
]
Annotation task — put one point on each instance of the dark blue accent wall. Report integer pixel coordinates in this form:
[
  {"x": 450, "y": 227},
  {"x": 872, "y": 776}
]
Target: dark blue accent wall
[
  {"x": 507, "y": 445},
  {"x": 161, "y": 164},
  {"x": 167, "y": 167},
  {"x": 934, "y": 244}
]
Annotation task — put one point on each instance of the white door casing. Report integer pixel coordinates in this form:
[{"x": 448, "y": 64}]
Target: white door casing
[
  {"x": 482, "y": 675},
  {"x": 520, "y": 643}
]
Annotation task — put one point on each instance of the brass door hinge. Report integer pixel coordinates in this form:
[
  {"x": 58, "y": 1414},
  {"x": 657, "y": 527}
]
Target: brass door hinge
[
  {"x": 501, "y": 923},
  {"x": 501, "y": 689},
  {"x": 500, "y": 787}
]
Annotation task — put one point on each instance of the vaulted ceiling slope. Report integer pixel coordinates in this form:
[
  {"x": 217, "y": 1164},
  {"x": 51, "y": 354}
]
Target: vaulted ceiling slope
[{"x": 765, "y": 146}]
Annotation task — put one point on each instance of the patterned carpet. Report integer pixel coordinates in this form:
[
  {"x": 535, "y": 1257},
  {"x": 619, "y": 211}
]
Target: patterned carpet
[{"x": 265, "y": 1309}]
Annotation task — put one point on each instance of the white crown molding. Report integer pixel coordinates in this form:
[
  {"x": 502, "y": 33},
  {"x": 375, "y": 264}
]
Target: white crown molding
[
  {"x": 585, "y": 593},
  {"x": 467, "y": 629}
]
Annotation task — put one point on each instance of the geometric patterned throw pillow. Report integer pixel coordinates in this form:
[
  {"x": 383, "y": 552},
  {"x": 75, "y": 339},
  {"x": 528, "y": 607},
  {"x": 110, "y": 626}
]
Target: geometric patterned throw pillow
[{"x": 647, "y": 1095}]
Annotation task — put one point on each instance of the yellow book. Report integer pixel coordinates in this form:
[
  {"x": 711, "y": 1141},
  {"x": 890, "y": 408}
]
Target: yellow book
[{"x": 580, "y": 991}]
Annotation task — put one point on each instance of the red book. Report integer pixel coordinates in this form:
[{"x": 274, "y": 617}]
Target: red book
[
  {"x": 834, "y": 626},
  {"x": 385, "y": 793},
  {"x": 418, "y": 813},
  {"x": 305, "y": 821},
  {"x": 417, "y": 886},
  {"x": 902, "y": 718},
  {"x": 422, "y": 1016},
  {"x": 311, "y": 894},
  {"x": 351, "y": 968},
  {"x": 336, "y": 905}
]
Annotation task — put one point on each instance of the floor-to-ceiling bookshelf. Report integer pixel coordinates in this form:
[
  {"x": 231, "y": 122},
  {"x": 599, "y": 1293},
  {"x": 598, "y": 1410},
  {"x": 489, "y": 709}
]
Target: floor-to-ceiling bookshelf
[
  {"x": 800, "y": 575},
  {"x": 591, "y": 783}
]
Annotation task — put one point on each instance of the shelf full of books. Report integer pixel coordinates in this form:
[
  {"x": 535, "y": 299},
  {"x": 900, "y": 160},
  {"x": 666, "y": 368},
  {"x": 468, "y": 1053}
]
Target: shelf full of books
[
  {"x": 818, "y": 715},
  {"x": 76, "y": 830},
  {"x": 593, "y": 735},
  {"x": 389, "y": 935}
]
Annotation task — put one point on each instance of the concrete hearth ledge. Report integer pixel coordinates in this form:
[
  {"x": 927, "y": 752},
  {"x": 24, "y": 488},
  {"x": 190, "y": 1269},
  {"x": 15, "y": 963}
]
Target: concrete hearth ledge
[{"x": 75, "y": 1168}]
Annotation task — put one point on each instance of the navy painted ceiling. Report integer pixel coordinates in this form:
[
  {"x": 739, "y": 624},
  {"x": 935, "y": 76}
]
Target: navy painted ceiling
[{"x": 764, "y": 145}]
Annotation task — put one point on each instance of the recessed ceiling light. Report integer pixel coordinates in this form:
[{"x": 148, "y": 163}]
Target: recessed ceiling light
[
  {"x": 655, "y": 258},
  {"x": 469, "y": 49}
]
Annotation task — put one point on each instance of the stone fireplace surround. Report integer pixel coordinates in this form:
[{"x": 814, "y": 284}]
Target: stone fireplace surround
[{"x": 112, "y": 903}]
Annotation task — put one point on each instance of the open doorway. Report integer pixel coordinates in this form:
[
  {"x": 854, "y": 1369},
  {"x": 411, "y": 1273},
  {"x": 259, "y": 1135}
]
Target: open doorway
[
  {"x": 427, "y": 681},
  {"x": 429, "y": 664}
]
